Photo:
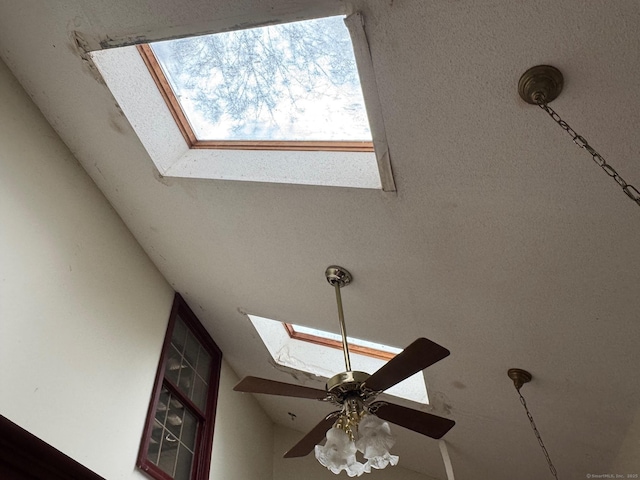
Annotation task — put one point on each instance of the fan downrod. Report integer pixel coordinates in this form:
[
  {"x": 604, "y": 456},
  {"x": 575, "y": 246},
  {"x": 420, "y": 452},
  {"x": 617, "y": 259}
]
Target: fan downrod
[{"x": 339, "y": 277}]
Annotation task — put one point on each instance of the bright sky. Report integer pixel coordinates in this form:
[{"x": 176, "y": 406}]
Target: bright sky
[{"x": 313, "y": 95}]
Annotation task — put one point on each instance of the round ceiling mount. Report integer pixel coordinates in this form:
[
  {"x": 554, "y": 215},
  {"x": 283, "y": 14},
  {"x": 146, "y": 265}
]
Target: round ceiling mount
[
  {"x": 540, "y": 84},
  {"x": 338, "y": 276},
  {"x": 519, "y": 377}
]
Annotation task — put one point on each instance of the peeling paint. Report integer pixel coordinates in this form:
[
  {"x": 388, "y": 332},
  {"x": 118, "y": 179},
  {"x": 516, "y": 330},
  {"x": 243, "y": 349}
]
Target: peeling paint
[
  {"x": 109, "y": 42},
  {"x": 127, "y": 41},
  {"x": 300, "y": 377},
  {"x": 80, "y": 46}
]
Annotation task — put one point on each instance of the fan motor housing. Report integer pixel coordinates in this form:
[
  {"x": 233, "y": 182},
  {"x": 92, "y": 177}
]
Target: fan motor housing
[{"x": 346, "y": 382}]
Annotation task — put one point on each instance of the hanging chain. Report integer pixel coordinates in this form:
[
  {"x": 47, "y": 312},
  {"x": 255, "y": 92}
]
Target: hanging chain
[
  {"x": 537, "y": 433},
  {"x": 631, "y": 191}
]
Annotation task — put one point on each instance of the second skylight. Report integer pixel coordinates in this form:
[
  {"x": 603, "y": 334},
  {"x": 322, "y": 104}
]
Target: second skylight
[{"x": 294, "y": 82}]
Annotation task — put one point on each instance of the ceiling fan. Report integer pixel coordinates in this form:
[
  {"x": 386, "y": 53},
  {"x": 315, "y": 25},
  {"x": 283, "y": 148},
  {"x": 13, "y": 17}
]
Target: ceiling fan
[{"x": 361, "y": 423}]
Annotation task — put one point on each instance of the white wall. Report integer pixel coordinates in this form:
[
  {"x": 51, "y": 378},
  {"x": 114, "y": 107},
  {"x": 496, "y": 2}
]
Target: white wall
[
  {"x": 243, "y": 440},
  {"x": 83, "y": 313},
  {"x": 82, "y": 308},
  {"x": 309, "y": 468}
]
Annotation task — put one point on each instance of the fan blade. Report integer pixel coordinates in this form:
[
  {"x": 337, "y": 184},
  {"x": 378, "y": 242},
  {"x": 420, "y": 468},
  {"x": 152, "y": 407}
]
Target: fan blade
[
  {"x": 417, "y": 356},
  {"x": 271, "y": 387},
  {"x": 425, "y": 423},
  {"x": 310, "y": 440}
]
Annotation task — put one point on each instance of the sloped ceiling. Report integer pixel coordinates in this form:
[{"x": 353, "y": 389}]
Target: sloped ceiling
[{"x": 504, "y": 242}]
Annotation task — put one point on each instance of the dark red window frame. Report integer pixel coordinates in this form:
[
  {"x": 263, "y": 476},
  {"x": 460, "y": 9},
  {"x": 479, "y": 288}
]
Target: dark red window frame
[{"x": 204, "y": 436}]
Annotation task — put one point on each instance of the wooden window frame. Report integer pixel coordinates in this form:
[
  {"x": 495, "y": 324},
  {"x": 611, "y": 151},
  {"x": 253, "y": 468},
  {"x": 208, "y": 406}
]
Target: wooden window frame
[
  {"x": 192, "y": 141},
  {"x": 326, "y": 342},
  {"x": 206, "y": 419}
]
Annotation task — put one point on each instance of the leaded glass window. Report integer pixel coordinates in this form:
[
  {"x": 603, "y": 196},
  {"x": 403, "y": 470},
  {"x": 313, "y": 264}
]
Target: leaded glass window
[{"x": 179, "y": 430}]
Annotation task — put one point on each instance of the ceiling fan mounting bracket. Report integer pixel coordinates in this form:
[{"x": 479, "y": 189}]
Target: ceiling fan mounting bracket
[{"x": 338, "y": 276}]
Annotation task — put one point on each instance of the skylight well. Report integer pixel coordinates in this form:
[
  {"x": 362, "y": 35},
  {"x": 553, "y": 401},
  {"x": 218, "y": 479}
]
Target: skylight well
[
  {"x": 310, "y": 350},
  {"x": 283, "y": 103}
]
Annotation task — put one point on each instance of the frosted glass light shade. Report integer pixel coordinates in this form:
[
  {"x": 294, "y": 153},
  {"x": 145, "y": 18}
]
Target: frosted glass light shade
[
  {"x": 339, "y": 453},
  {"x": 375, "y": 440}
]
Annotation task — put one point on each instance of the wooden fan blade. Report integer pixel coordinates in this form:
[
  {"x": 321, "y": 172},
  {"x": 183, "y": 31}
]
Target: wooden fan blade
[
  {"x": 271, "y": 387},
  {"x": 425, "y": 423},
  {"x": 417, "y": 356},
  {"x": 310, "y": 440}
]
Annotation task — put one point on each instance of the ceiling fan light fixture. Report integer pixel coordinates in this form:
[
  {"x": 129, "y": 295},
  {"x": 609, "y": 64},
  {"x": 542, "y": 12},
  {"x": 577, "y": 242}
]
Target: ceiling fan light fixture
[
  {"x": 375, "y": 442},
  {"x": 357, "y": 430},
  {"x": 361, "y": 424},
  {"x": 339, "y": 453}
]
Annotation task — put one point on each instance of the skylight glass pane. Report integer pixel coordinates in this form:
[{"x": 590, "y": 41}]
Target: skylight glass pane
[
  {"x": 350, "y": 340},
  {"x": 289, "y": 82}
]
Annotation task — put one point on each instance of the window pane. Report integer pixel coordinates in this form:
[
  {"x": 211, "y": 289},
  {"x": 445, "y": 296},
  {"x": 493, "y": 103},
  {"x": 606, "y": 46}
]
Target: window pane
[
  {"x": 173, "y": 441},
  {"x": 189, "y": 430},
  {"x": 168, "y": 452},
  {"x": 157, "y": 429},
  {"x": 174, "y": 364},
  {"x": 199, "y": 395},
  {"x": 189, "y": 370},
  {"x": 204, "y": 364},
  {"x": 174, "y": 418},
  {"x": 179, "y": 334},
  {"x": 161, "y": 409},
  {"x": 191, "y": 351},
  {"x": 183, "y": 467},
  {"x": 294, "y": 81},
  {"x": 185, "y": 382},
  {"x": 154, "y": 442}
]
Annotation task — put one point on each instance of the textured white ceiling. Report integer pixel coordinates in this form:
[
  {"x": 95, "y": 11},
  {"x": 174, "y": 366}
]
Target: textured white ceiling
[{"x": 504, "y": 242}]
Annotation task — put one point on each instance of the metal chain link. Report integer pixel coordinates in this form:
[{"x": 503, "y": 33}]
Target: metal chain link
[
  {"x": 537, "y": 433},
  {"x": 631, "y": 191}
]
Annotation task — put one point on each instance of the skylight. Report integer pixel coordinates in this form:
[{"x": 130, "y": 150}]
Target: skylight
[
  {"x": 293, "y": 82},
  {"x": 322, "y": 360},
  {"x": 144, "y": 93}
]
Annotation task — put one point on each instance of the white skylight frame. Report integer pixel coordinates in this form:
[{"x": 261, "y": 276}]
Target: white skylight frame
[
  {"x": 325, "y": 362},
  {"x": 127, "y": 76}
]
